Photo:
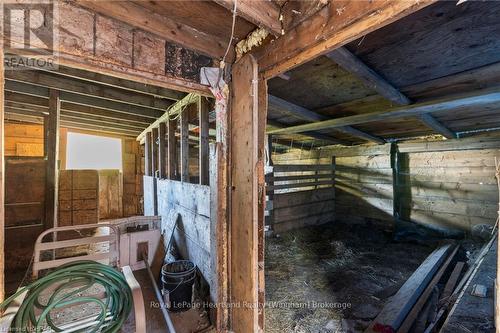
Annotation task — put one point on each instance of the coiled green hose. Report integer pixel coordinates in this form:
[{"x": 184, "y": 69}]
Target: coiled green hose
[{"x": 70, "y": 282}]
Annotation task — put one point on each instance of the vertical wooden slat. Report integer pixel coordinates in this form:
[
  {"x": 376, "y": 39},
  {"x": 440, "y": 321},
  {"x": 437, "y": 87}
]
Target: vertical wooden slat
[
  {"x": 154, "y": 152},
  {"x": 270, "y": 183},
  {"x": 162, "y": 150},
  {"x": 52, "y": 171},
  {"x": 147, "y": 154},
  {"x": 261, "y": 183},
  {"x": 244, "y": 195},
  {"x": 334, "y": 181},
  {"x": 203, "y": 110},
  {"x": 222, "y": 204},
  {"x": 45, "y": 135},
  {"x": 184, "y": 158},
  {"x": 2, "y": 175},
  {"x": 63, "y": 146},
  {"x": 172, "y": 150},
  {"x": 334, "y": 164}
]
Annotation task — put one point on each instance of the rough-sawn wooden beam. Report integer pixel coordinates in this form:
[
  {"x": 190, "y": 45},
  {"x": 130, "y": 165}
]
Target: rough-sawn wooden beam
[
  {"x": 173, "y": 110},
  {"x": 349, "y": 62},
  {"x": 335, "y": 25},
  {"x": 177, "y": 32},
  {"x": 449, "y": 104},
  {"x": 309, "y": 115},
  {"x": 262, "y": 13}
]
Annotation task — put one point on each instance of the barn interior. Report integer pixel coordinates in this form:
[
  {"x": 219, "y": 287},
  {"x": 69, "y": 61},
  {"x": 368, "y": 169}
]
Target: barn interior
[{"x": 324, "y": 166}]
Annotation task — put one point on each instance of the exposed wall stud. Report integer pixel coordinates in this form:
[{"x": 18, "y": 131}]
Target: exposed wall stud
[{"x": 51, "y": 187}]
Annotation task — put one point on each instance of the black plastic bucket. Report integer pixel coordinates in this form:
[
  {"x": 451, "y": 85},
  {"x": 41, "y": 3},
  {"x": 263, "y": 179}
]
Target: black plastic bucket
[{"x": 177, "y": 279}]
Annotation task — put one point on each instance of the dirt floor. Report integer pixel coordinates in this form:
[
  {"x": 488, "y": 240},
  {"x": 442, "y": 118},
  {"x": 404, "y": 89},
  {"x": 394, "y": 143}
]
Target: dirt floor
[{"x": 331, "y": 278}]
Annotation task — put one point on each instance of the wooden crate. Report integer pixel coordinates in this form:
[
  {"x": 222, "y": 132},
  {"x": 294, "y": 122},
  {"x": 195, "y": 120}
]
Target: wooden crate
[{"x": 78, "y": 197}]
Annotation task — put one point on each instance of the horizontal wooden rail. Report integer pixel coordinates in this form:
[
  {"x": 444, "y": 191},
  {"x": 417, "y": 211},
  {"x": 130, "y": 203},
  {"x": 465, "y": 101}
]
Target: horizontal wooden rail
[
  {"x": 299, "y": 177},
  {"x": 300, "y": 195},
  {"x": 302, "y": 167},
  {"x": 298, "y": 185}
]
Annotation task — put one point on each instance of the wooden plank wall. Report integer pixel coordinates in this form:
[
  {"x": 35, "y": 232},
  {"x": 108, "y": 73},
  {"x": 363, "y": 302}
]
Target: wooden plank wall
[
  {"x": 23, "y": 140},
  {"x": 368, "y": 177},
  {"x": 78, "y": 197},
  {"x": 454, "y": 189},
  {"x": 133, "y": 170},
  {"x": 24, "y": 210},
  {"x": 26, "y": 140},
  {"x": 450, "y": 185},
  {"x": 110, "y": 194},
  {"x": 190, "y": 205},
  {"x": 302, "y": 195}
]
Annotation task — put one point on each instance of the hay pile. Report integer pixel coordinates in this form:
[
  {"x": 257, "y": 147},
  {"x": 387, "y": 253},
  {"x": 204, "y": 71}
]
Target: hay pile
[{"x": 322, "y": 278}]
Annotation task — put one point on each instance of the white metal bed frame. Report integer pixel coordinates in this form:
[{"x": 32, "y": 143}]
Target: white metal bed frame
[{"x": 109, "y": 257}]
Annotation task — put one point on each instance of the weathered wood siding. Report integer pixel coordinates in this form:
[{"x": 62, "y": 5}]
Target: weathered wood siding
[
  {"x": 132, "y": 177},
  {"x": 189, "y": 205},
  {"x": 24, "y": 209},
  {"x": 453, "y": 189},
  {"x": 110, "y": 194},
  {"x": 78, "y": 197},
  {"x": 88, "y": 39},
  {"x": 364, "y": 188},
  {"x": 299, "y": 209},
  {"x": 449, "y": 185},
  {"x": 23, "y": 140},
  {"x": 300, "y": 195}
]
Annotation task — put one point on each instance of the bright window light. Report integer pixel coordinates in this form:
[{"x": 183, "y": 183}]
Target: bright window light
[{"x": 93, "y": 152}]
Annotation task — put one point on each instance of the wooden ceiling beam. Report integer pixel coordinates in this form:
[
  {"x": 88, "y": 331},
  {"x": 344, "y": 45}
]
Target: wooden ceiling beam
[
  {"x": 178, "y": 107},
  {"x": 294, "y": 109},
  {"x": 349, "y": 62},
  {"x": 314, "y": 135},
  {"x": 159, "y": 25},
  {"x": 308, "y": 115},
  {"x": 264, "y": 14},
  {"x": 442, "y": 105},
  {"x": 39, "y": 102},
  {"x": 360, "y": 134},
  {"x": 33, "y": 90},
  {"x": 114, "y": 82},
  {"x": 431, "y": 122},
  {"x": 335, "y": 25},
  {"x": 62, "y": 83},
  {"x": 79, "y": 120},
  {"x": 90, "y": 119},
  {"x": 70, "y": 125}
]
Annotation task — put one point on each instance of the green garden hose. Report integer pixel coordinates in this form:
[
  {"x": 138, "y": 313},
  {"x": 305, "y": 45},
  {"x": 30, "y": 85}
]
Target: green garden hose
[{"x": 70, "y": 282}]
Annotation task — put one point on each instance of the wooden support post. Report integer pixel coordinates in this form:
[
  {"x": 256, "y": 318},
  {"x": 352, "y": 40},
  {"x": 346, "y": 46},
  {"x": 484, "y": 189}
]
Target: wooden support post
[
  {"x": 172, "y": 150},
  {"x": 45, "y": 135},
  {"x": 184, "y": 159},
  {"x": 244, "y": 196},
  {"x": 52, "y": 171},
  {"x": 147, "y": 154},
  {"x": 2, "y": 175},
  {"x": 162, "y": 150},
  {"x": 154, "y": 152},
  {"x": 222, "y": 204},
  {"x": 203, "y": 110}
]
